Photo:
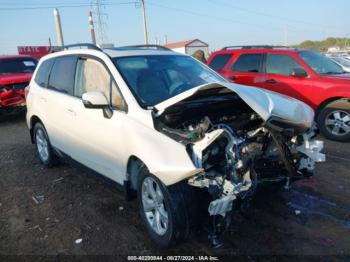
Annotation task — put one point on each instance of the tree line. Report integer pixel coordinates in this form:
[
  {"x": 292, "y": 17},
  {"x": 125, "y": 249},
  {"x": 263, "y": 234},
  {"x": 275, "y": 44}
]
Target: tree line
[{"x": 323, "y": 45}]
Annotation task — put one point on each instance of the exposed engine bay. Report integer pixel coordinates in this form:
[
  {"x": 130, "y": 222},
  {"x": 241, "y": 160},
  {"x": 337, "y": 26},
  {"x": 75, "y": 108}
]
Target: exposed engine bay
[{"x": 237, "y": 149}]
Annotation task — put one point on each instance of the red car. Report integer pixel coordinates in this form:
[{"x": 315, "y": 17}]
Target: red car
[
  {"x": 302, "y": 74},
  {"x": 15, "y": 74}
]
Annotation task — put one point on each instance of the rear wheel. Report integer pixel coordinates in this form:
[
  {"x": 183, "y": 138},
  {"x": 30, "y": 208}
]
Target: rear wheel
[
  {"x": 168, "y": 213},
  {"x": 334, "y": 120},
  {"x": 46, "y": 155}
]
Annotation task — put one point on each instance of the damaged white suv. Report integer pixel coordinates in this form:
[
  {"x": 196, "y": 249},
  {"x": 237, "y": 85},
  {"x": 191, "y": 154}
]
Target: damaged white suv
[{"x": 165, "y": 125}]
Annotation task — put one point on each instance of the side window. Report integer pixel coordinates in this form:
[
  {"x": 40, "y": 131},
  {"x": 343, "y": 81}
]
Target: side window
[
  {"x": 248, "y": 63},
  {"x": 62, "y": 74},
  {"x": 91, "y": 75},
  {"x": 219, "y": 61},
  {"x": 42, "y": 76},
  {"x": 280, "y": 64}
]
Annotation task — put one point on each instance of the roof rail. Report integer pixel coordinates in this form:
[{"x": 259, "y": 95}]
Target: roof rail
[
  {"x": 82, "y": 45},
  {"x": 254, "y": 47},
  {"x": 157, "y": 47}
]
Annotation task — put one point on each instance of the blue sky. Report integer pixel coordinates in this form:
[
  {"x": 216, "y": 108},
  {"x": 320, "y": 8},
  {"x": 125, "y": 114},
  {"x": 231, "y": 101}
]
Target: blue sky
[{"x": 217, "y": 22}]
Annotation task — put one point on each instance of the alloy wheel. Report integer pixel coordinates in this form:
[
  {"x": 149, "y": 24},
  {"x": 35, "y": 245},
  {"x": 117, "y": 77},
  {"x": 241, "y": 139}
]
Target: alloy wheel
[
  {"x": 154, "y": 206},
  {"x": 42, "y": 144}
]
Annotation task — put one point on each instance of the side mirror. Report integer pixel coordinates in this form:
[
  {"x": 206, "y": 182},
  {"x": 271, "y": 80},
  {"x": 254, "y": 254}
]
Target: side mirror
[
  {"x": 298, "y": 72},
  {"x": 94, "y": 100}
]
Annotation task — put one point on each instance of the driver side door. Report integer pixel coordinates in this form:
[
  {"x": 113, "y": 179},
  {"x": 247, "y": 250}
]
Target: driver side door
[
  {"x": 278, "y": 77},
  {"x": 99, "y": 137}
]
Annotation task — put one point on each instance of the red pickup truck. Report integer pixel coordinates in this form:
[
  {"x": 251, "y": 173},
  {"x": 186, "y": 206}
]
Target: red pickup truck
[
  {"x": 303, "y": 74},
  {"x": 15, "y": 75}
]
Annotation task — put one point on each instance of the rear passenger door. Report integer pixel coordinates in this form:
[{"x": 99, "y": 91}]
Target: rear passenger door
[
  {"x": 58, "y": 99},
  {"x": 247, "y": 70}
]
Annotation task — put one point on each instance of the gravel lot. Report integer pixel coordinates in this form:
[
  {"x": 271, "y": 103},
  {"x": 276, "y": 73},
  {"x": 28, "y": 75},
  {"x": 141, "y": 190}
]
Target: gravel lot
[{"x": 313, "y": 218}]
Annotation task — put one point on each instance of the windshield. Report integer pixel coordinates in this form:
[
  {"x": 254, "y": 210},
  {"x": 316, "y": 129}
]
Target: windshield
[
  {"x": 17, "y": 65},
  {"x": 156, "y": 78},
  {"x": 320, "y": 63}
]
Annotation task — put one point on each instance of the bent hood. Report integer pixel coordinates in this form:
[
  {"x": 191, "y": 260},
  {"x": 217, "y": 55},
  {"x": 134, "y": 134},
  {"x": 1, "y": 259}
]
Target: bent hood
[{"x": 265, "y": 103}]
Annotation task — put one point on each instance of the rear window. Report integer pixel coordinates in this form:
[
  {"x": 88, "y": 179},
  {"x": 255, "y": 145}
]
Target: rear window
[
  {"x": 62, "y": 74},
  {"x": 250, "y": 63},
  {"x": 219, "y": 61},
  {"x": 42, "y": 76},
  {"x": 17, "y": 65}
]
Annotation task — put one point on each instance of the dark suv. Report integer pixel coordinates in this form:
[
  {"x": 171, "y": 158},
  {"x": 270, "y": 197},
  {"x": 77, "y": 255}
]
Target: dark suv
[{"x": 299, "y": 73}]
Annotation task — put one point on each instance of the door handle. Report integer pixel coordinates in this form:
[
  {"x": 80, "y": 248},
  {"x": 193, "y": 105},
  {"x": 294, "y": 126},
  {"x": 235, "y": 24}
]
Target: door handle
[
  {"x": 71, "y": 111},
  {"x": 43, "y": 99},
  {"x": 271, "y": 81},
  {"x": 232, "y": 78}
]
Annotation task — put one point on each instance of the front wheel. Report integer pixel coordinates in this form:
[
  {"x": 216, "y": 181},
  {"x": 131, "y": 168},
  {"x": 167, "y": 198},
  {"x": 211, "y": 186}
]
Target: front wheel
[
  {"x": 168, "y": 213},
  {"x": 334, "y": 121}
]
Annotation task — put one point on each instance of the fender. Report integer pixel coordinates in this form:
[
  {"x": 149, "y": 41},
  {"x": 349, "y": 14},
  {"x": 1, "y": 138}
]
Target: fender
[
  {"x": 164, "y": 157},
  {"x": 332, "y": 94}
]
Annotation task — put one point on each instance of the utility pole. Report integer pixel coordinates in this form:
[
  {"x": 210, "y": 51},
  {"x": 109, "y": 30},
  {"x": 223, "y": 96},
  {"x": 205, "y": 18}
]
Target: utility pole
[
  {"x": 144, "y": 21},
  {"x": 59, "y": 34},
  {"x": 92, "y": 29}
]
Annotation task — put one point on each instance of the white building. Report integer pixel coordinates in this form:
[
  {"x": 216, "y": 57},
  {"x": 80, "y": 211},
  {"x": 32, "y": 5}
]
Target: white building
[{"x": 188, "y": 46}]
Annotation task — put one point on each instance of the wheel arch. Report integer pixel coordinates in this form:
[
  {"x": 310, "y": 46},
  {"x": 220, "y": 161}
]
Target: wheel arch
[
  {"x": 132, "y": 171},
  {"x": 33, "y": 120},
  {"x": 323, "y": 104}
]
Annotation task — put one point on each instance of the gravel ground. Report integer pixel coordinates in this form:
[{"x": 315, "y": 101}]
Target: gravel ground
[{"x": 312, "y": 220}]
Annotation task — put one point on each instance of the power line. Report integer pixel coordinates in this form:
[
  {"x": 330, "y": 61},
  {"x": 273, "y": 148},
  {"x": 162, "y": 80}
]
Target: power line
[
  {"x": 221, "y": 18},
  {"x": 266, "y": 14},
  {"x": 41, "y": 3},
  {"x": 62, "y": 6}
]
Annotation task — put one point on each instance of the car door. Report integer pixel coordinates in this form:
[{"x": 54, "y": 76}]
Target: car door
[
  {"x": 58, "y": 98},
  {"x": 98, "y": 138},
  {"x": 279, "y": 78},
  {"x": 247, "y": 70},
  {"x": 41, "y": 92}
]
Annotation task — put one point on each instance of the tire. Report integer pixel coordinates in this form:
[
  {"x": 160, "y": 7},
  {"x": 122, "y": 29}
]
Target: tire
[
  {"x": 179, "y": 204},
  {"x": 334, "y": 121},
  {"x": 43, "y": 147}
]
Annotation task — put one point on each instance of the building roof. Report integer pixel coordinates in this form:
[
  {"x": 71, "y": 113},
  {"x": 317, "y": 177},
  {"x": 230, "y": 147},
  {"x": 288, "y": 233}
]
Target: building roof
[{"x": 183, "y": 43}]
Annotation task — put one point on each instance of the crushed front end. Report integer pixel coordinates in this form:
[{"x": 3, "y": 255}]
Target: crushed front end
[
  {"x": 235, "y": 164},
  {"x": 12, "y": 98},
  {"x": 241, "y": 137}
]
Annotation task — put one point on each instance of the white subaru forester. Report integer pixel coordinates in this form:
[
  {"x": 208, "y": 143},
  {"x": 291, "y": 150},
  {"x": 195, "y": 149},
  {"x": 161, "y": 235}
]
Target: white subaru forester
[{"x": 166, "y": 126}]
